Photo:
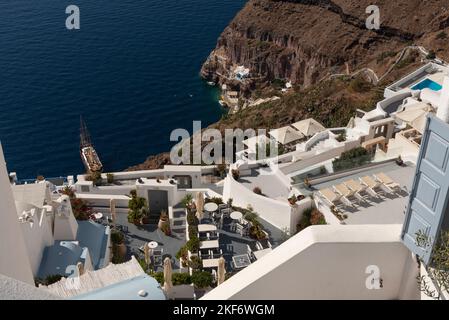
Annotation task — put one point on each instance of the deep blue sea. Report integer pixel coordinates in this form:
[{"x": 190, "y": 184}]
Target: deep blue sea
[{"x": 131, "y": 71}]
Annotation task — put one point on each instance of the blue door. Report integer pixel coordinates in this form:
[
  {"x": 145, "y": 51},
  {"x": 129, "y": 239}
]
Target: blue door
[{"x": 429, "y": 197}]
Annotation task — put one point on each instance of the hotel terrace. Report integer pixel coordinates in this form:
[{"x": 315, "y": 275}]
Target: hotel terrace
[{"x": 301, "y": 225}]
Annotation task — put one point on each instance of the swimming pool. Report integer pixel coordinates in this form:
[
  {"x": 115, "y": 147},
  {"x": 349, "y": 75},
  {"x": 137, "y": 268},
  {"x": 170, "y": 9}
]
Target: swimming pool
[{"x": 432, "y": 85}]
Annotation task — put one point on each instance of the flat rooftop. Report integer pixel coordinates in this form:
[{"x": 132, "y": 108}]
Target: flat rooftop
[
  {"x": 390, "y": 208},
  {"x": 269, "y": 183}
]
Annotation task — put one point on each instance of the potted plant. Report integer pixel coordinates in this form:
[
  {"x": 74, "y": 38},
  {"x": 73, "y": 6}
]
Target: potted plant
[
  {"x": 118, "y": 244},
  {"x": 257, "y": 190},
  {"x": 164, "y": 223},
  {"x": 399, "y": 161},
  {"x": 292, "y": 200},
  {"x": 145, "y": 215}
]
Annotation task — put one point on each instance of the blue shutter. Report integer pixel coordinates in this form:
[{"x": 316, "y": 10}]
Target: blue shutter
[{"x": 429, "y": 197}]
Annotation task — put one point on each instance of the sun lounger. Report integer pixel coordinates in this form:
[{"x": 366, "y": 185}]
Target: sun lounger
[
  {"x": 388, "y": 182},
  {"x": 330, "y": 196},
  {"x": 345, "y": 193},
  {"x": 371, "y": 185},
  {"x": 357, "y": 188}
]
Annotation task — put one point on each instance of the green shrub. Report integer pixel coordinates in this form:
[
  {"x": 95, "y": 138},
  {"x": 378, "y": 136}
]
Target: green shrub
[
  {"x": 359, "y": 85},
  {"x": 158, "y": 276},
  {"x": 195, "y": 263},
  {"x": 193, "y": 231},
  {"x": 193, "y": 245},
  {"x": 187, "y": 200},
  {"x": 192, "y": 220},
  {"x": 95, "y": 177},
  {"x": 182, "y": 253},
  {"x": 352, "y": 158},
  {"x": 432, "y": 55},
  {"x": 202, "y": 279},
  {"x": 117, "y": 237},
  {"x": 110, "y": 177},
  {"x": 117, "y": 257},
  {"x": 181, "y": 278}
]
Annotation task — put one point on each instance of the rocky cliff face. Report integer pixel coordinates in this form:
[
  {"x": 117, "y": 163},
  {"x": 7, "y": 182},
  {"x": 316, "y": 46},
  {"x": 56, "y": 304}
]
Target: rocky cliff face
[{"x": 305, "y": 40}]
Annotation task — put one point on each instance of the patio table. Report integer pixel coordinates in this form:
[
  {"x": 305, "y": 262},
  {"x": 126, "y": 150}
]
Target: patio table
[
  {"x": 209, "y": 244},
  {"x": 211, "y": 207},
  {"x": 236, "y": 215},
  {"x": 206, "y": 228},
  {"x": 210, "y": 263},
  {"x": 152, "y": 245}
]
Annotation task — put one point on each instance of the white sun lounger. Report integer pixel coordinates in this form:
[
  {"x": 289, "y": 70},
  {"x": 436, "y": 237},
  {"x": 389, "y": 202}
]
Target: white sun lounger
[
  {"x": 371, "y": 185},
  {"x": 330, "y": 196},
  {"x": 388, "y": 182},
  {"x": 346, "y": 193},
  {"x": 357, "y": 188}
]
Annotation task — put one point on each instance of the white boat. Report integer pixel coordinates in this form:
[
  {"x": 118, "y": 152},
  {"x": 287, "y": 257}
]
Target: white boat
[
  {"x": 211, "y": 83},
  {"x": 222, "y": 103}
]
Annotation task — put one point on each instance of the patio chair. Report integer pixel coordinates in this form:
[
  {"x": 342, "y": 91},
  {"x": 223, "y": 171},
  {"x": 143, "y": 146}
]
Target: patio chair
[
  {"x": 331, "y": 197},
  {"x": 345, "y": 193},
  {"x": 357, "y": 188},
  {"x": 388, "y": 182},
  {"x": 371, "y": 185},
  {"x": 226, "y": 212},
  {"x": 222, "y": 206}
]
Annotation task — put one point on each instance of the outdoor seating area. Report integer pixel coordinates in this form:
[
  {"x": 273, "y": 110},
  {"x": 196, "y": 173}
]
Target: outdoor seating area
[
  {"x": 375, "y": 195},
  {"x": 223, "y": 231},
  {"x": 352, "y": 191}
]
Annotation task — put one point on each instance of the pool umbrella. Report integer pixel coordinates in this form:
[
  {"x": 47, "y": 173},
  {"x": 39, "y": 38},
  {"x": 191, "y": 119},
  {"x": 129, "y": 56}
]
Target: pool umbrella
[
  {"x": 146, "y": 250},
  {"x": 113, "y": 213},
  {"x": 168, "y": 285},
  {"x": 221, "y": 271},
  {"x": 199, "y": 205}
]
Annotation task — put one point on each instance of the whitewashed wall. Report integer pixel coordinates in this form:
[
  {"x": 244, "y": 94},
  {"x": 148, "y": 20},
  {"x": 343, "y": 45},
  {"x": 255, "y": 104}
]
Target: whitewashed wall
[
  {"x": 279, "y": 214},
  {"x": 328, "y": 262}
]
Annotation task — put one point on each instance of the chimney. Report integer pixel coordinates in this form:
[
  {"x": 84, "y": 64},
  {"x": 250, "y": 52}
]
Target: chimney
[{"x": 443, "y": 108}]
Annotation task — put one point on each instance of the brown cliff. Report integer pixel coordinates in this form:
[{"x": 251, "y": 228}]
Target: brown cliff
[{"x": 305, "y": 40}]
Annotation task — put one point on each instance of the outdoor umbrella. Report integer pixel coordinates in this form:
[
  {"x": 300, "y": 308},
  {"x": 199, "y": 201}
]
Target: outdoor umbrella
[
  {"x": 112, "y": 207},
  {"x": 199, "y": 205},
  {"x": 221, "y": 271},
  {"x": 146, "y": 250},
  {"x": 167, "y": 276}
]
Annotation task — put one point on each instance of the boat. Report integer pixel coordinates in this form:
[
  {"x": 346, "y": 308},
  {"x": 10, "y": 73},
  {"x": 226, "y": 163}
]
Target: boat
[
  {"x": 89, "y": 155},
  {"x": 211, "y": 83}
]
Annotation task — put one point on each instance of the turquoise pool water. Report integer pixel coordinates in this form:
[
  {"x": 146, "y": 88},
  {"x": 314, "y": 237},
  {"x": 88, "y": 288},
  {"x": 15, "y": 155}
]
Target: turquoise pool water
[{"x": 428, "y": 84}]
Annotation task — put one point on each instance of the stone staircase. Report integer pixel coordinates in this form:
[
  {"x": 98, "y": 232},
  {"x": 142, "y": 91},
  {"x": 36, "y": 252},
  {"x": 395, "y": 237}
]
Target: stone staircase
[{"x": 178, "y": 224}]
